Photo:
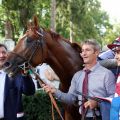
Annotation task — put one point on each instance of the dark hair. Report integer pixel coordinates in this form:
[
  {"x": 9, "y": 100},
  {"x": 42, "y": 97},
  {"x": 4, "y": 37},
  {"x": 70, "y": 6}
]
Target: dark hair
[{"x": 2, "y": 45}]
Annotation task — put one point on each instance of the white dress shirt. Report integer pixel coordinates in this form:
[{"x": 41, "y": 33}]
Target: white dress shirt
[
  {"x": 2, "y": 84},
  {"x": 41, "y": 71}
]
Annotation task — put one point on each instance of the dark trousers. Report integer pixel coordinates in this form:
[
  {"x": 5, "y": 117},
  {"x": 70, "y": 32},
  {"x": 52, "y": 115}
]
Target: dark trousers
[
  {"x": 91, "y": 118},
  {"x": 2, "y": 119},
  {"x": 21, "y": 118}
]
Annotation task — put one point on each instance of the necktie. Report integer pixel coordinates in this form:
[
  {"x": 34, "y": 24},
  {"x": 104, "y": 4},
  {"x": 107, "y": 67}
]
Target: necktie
[{"x": 85, "y": 89}]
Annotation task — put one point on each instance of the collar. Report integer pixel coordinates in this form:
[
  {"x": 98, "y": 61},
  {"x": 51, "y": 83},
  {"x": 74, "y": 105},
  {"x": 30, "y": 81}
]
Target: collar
[
  {"x": 94, "y": 67},
  {"x": 2, "y": 71}
]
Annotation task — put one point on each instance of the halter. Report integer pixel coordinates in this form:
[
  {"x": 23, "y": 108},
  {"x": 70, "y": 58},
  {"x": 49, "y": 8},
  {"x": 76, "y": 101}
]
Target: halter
[
  {"x": 33, "y": 49},
  {"x": 36, "y": 44}
]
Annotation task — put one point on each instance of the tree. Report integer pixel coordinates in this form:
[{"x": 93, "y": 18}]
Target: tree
[
  {"x": 86, "y": 17},
  {"x": 75, "y": 19},
  {"x": 20, "y": 12},
  {"x": 111, "y": 33},
  {"x": 53, "y": 14}
]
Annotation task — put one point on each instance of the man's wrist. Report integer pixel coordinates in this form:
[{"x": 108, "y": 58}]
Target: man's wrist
[{"x": 53, "y": 90}]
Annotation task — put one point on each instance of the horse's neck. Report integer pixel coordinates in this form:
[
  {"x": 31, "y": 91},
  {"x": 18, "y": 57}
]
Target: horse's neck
[{"x": 65, "y": 62}]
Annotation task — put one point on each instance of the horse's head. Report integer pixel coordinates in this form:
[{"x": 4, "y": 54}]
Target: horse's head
[
  {"x": 38, "y": 46},
  {"x": 28, "y": 50}
]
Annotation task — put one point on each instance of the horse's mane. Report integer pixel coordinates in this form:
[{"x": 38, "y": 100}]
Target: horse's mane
[{"x": 56, "y": 36}]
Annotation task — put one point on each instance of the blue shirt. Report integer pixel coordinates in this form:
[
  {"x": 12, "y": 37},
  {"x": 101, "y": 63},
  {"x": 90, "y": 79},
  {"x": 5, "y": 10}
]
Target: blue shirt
[
  {"x": 109, "y": 54},
  {"x": 101, "y": 83}
]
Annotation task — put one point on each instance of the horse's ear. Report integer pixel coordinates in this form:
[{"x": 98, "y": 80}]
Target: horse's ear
[
  {"x": 77, "y": 47},
  {"x": 35, "y": 21}
]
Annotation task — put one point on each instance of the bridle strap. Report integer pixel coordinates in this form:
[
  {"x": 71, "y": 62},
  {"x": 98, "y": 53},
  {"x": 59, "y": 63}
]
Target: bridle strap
[
  {"x": 18, "y": 55},
  {"x": 39, "y": 43},
  {"x": 33, "y": 51},
  {"x": 50, "y": 95}
]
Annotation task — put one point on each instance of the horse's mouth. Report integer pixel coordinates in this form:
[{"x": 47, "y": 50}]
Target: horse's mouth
[
  {"x": 11, "y": 74},
  {"x": 11, "y": 70}
]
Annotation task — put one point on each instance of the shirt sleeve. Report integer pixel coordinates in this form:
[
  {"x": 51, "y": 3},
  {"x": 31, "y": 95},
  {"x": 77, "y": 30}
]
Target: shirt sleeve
[
  {"x": 110, "y": 84},
  {"x": 70, "y": 97}
]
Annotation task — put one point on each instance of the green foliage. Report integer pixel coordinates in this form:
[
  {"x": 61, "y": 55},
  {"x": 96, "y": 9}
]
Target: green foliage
[
  {"x": 38, "y": 107},
  {"x": 112, "y": 33},
  {"x": 19, "y": 12},
  {"x": 86, "y": 16}
]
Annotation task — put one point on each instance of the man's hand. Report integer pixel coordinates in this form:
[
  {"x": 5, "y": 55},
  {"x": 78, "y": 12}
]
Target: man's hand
[
  {"x": 91, "y": 104},
  {"x": 49, "y": 88}
]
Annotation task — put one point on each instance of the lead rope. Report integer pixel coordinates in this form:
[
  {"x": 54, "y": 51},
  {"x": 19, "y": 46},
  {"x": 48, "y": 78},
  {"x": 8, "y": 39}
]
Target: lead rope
[
  {"x": 53, "y": 102},
  {"x": 84, "y": 115},
  {"x": 53, "y": 116}
]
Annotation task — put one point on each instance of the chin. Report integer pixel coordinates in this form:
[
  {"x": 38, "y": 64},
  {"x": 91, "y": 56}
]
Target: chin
[{"x": 86, "y": 62}]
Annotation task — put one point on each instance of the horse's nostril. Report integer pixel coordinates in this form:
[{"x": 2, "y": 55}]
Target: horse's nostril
[{"x": 7, "y": 64}]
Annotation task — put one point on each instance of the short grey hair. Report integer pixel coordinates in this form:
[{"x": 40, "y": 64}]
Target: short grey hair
[{"x": 92, "y": 42}]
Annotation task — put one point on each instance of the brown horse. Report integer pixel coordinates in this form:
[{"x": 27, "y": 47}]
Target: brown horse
[{"x": 38, "y": 46}]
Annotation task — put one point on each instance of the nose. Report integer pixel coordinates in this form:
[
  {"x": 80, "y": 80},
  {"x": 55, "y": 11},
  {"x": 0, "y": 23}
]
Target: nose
[
  {"x": 7, "y": 64},
  {"x": 83, "y": 53}
]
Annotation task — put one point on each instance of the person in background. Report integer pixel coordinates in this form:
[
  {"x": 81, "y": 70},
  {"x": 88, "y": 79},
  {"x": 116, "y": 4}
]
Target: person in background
[
  {"x": 101, "y": 82},
  {"x": 107, "y": 59},
  {"x": 115, "y": 105},
  {"x": 11, "y": 90},
  {"x": 48, "y": 75},
  {"x": 108, "y": 54}
]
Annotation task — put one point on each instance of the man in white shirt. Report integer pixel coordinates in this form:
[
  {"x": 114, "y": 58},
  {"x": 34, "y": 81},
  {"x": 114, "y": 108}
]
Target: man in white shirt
[
  {"x": 11, "y": 90},
  {"x": 48, "y": 75}
]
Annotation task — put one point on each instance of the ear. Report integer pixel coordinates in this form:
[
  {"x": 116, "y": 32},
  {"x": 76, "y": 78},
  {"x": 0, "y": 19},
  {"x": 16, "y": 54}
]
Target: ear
[
  {"x": 97, "y": 53},
  {"x": 76, "y": 47},
  {"x": 35, "y": 21}
]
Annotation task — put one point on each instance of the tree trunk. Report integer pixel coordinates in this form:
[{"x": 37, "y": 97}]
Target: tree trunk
[
  {"x": 71, "y": 31},
  {"x": 8, "y": 30},
  {"x": 53, "y": 15},
  {"x": 71, "y": 23}
]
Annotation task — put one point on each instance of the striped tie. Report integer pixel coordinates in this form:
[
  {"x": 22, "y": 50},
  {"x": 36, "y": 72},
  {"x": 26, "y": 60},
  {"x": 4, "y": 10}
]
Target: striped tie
[{"x": 85, "y": 89}]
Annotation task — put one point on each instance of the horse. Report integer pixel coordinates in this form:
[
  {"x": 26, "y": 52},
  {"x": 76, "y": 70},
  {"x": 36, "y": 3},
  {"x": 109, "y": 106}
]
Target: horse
[{"x": 38, "y": 46}]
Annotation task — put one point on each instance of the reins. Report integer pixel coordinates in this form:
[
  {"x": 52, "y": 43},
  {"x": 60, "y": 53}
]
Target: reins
[
  {"x": 26, "y": 66},
  {"x": 53, "y": 102},
  {"x": 86, "y": 110}
]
